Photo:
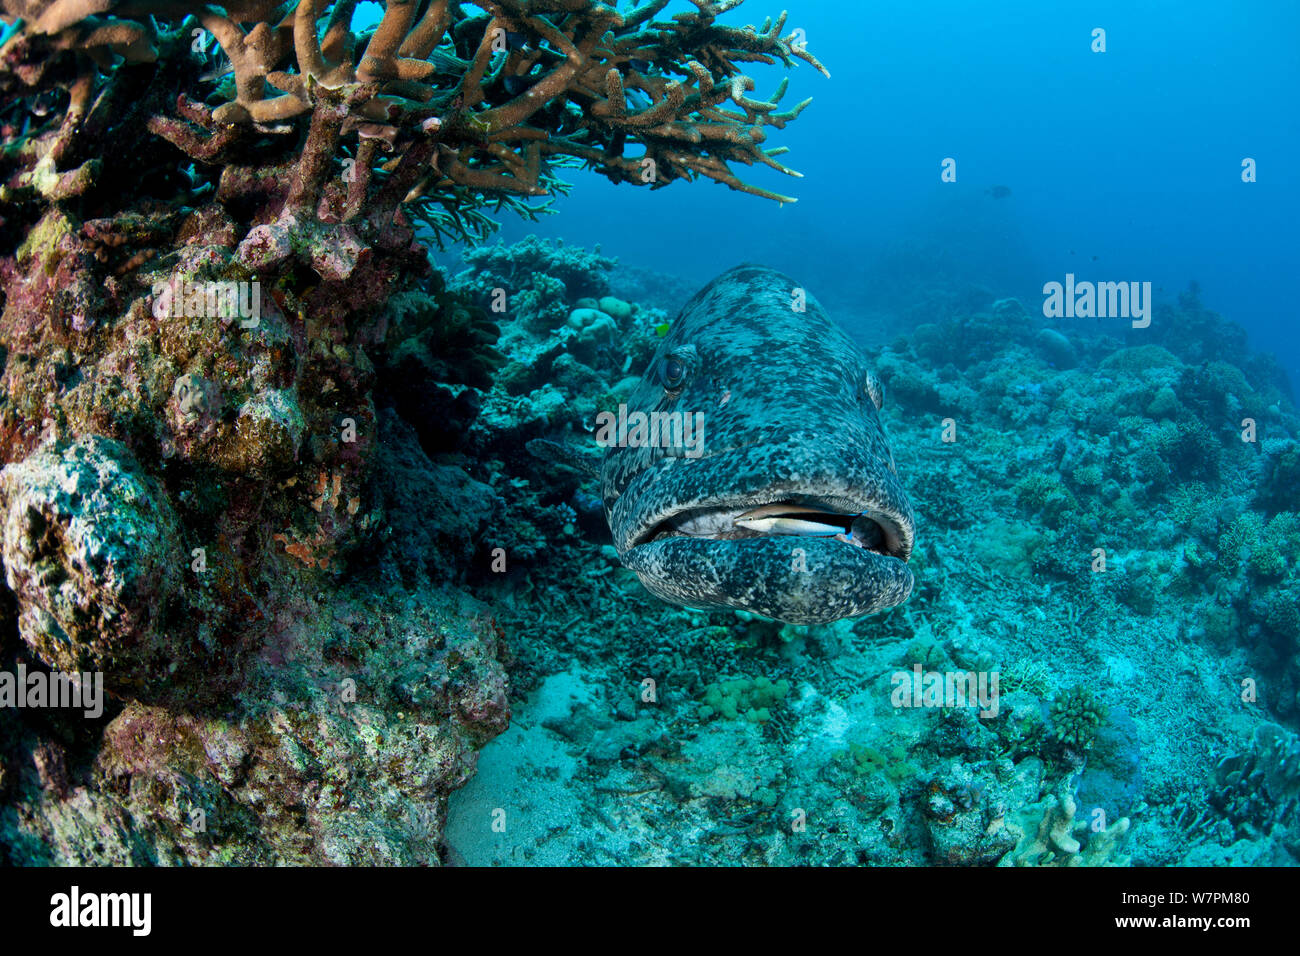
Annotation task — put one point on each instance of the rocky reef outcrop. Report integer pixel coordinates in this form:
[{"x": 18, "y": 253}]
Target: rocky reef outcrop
[
  {"x": 227, "y": 367},
  {"x": 89, "y": 554}
]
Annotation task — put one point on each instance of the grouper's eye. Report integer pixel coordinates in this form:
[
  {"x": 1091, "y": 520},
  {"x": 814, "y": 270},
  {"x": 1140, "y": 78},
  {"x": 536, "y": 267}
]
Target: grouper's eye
[
  {"x": 672, "y": 372},
  {"x": 675, "y": 368}
]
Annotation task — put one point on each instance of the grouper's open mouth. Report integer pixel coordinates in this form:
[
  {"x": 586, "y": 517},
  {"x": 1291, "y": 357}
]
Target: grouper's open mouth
[
  {"x": 795, "y": 557},
  {"x": 796, "y": 517}
]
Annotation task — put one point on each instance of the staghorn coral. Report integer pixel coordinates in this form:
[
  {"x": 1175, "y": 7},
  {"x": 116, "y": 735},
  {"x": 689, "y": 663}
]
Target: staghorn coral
[
  {"x": 1277, "y": 490},
  {"x": 1027, "y": 674},
  {"x": 436, "y": 105},
  {"x": 1238, "y": 538},
  {"x": 1193, "y": 503}
]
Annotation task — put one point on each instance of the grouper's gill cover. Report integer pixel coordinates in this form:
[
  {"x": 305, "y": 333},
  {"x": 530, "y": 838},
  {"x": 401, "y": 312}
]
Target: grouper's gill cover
[{"x": 790, "y": 505}]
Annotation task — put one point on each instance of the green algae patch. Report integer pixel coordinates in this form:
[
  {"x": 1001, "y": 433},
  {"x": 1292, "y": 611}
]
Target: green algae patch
[
  {"x": 43, "y": 241},
  {"x": 744, "y": 697},
  {"x": 890, "y": 763}
]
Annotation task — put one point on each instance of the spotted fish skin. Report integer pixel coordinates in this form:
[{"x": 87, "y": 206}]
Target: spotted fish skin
[{"x": 790, "y": 414}]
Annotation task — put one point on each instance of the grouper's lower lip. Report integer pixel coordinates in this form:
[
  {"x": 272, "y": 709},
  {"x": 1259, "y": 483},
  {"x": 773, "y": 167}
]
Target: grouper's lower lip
[{"x": 801, "y": 580}]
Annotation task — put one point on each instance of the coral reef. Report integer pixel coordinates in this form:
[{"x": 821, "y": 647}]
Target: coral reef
[
  {"x": 257, "y": 452},
  {"x": 372, "y": 717},
  {"x": 1052, "y": 465},
  {"x": 448, "y": 104},
  {"x": 219, "y": 309},
  {"x": 582, "y": 274}
]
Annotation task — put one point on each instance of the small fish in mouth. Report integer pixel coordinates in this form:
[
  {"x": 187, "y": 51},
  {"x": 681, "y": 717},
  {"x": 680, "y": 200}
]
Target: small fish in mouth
[
  {"x": 790, "y": 505},
  {"x": 855, "y": 529}
]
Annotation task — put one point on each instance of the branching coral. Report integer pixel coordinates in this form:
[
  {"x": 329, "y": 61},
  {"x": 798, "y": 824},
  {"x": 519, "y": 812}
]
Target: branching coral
[
  {"x": 1267, "y": 549},
  {"x": 584, "y": 274},
  {"x": 1076, "y": 715},
  {"x": 1028, "y": 675},
  {"x": 435, "y": 106},
  {"x": 1281, "y": 475}
]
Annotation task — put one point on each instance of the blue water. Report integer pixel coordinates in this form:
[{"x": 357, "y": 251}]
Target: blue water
[{"x": 1132, "y": 156}]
